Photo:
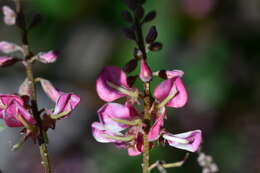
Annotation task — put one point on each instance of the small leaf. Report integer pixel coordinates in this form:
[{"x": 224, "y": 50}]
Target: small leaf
[
  {"x": 131, "y": 80},
  {"x": 130, "y": 66},
  {"x": 127, "y": 16},
  {"x": 155, "y": 46},
  {"x": 129, "y": 33},
  {"x": 139, "y": 12},
  {"x": 149, "y": 17},
  {"x": 152, "y": 35}
]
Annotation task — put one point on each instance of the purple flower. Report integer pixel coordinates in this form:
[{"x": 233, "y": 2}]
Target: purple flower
[
  {"x": 65, "y": 105},
  {"x": 189, "y": 141},
  {"x": 9, "y": 15},
  {"x": 7, "y": 47},
  {"x": 7, "y": 61},
  {"x": 47, "y": 57},
  {"x": 145, "y": 72},
  {"x": 112, "y": 84},
  {"x": 171, "y": 92}
]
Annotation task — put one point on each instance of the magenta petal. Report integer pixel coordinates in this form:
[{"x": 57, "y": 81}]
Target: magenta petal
[
  {"x": 166, "y": 87},
  {"x": 114, "y": 75},
  {"x": 155, "y": 130},
  {"x": 7, "y": 61},
  {"x": 50, "y": 90},
  {"x": 6, "y": 99},
  {"x": 145, "y": 72},
  {"x": 13, "y": 110},
  {"x": 66, "y": 103},
  {"x": 47, "y": 57},
  {"x": 193, "y": 138},
  {"x": 117, "y": 111},
  {"x": 9, "y": 15}
]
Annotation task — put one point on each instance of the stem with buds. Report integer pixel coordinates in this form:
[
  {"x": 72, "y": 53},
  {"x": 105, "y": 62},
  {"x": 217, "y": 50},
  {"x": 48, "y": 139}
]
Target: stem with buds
[{"x": 42, "y": 138}]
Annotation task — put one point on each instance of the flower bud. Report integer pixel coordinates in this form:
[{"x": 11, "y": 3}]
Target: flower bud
[
  {"x": 9, "y": 15},
  {"x": 145, "y": 72},
  {"x": 47, "y": 57},
  {"x": 7, "y": 61},
  {"x": 24, "y": 89},
  {"x": 7, "y": 47}
]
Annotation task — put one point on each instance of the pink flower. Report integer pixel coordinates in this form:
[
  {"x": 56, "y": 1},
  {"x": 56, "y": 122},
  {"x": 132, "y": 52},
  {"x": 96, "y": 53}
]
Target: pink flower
[
  {"x": 111, "y": 112},
  {"x": 7, "y": 61},
  {"x": 145, "y": 72},
  {"x": 50, "y": 90},
  {"x": 6, "y": 99},
  {"x": 65, "y": 105},
  {"x": 174, "y": 73},
  {"x": 9, "y": 15},
  {"x": 47, "y": 57},
  {"x": 155, "y": 130},
  {"x": 12, "y": 113},
  {"x": 7, "y": 47},
  {"x": 112, "y": 84},
  {"x": 189, "y": 141},
  {"x": 172, "y": 92}
]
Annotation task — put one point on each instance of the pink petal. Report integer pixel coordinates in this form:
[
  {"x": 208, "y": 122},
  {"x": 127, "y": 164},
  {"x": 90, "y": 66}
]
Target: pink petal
[
  {"x": 50, "y": 90},
  {"x": 13, "y": 110},
  {"x": 7, "y": 61},
  {"x": 194, "y": 139},
  {"x": 117, "y": 111},
  {"x": 66, "y": 103},
  {"x": 6, "y": 99},
  {"x": 166, "y": 87},
  {"x": 114, "y": 75},
  {"x": 155, "y": 130},
  {"x": 133, "y": 151},
  {"x": 9, "y": 15},
  {"x": 47, "y": 57},
  {"x": 145, "y": 72},
  {"x": 99, "y": 131}
]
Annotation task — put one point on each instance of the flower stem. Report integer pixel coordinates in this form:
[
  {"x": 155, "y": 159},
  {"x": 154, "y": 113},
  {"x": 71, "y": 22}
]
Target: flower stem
[
  {"x": 147, "y": 100},
  {"x": 42, "y": 138}
]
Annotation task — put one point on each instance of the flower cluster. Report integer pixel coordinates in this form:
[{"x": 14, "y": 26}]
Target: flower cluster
[
  {"x": 16, "y": 110},
  {"x": 124, "y": 125}
]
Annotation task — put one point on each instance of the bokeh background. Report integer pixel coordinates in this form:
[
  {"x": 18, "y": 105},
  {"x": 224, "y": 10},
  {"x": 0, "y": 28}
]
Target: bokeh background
[{"x": 215, "y": 42}]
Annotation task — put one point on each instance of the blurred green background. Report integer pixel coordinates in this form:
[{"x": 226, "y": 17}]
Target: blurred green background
[{"x": 216, "y": 44}]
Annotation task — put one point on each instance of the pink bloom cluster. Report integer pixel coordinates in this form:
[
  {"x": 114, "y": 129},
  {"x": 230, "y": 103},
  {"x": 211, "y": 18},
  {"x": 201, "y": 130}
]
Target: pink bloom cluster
[{"x": 122, "y": 124}]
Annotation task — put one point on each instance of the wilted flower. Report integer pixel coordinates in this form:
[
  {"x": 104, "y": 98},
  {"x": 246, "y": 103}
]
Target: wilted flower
[{"x": 9, "y": 15}]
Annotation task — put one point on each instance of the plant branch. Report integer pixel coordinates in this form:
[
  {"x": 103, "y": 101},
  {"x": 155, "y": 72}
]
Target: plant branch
[{"x": 42, "y": 138}]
